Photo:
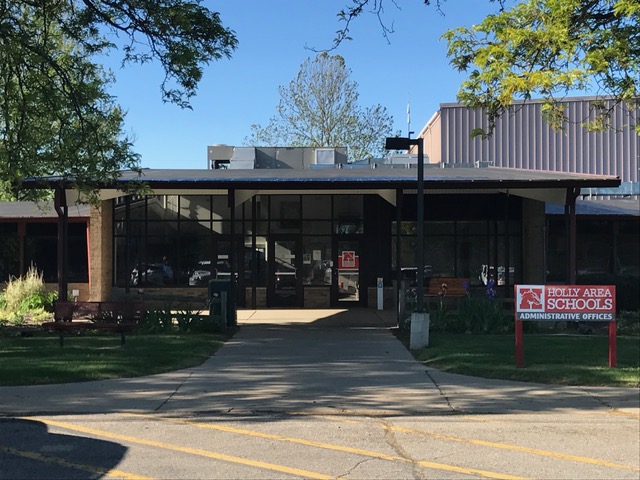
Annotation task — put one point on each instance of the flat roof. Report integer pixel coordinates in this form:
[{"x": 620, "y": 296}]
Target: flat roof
[
  {"x": 345, "y": 178},
  {"x": 39, "y": 210}
]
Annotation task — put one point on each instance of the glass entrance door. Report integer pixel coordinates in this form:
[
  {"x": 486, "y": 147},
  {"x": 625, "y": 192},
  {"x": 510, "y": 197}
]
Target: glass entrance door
[
  {"x": 285, "y": 286},
  {"x": 348, "y": 272}
]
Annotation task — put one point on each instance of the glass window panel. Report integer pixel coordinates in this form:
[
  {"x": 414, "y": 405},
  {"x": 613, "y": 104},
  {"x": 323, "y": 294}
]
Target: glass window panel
[
  {"x": 472, "y": 256},
  {"x": 119, "y": 212},
  {"x": 349, "y": 226},
  {"x": 439, "y": 256},
  {"x": 262, "y": 228},
  {"x": 158, "y": 267},
  {"x": 628, "y": 254},
  {"x": 42, "y": 229},
  {"x": 120, "y": 261},
  {"x": 407, "y": 252},
  {"x": 195, "y": 207},
  {"x": 406, "y": 228},
  {"x": 9, "y": 251},
  {"x": 472, "y": 228},
  {"x": 39, "y": 251},
  {"x": 221, "y": 227},
  {"x": 593, "y": 252},
  {"x": 629, "y": 226},
  {"x": 316, "y": 207},
  {"x": 515, "y": 260},
  {"x": 195, "y": 261},
  {"x": 162, "y": 228},
  {"x": 195, "y": 228},
  {"x": 260, "y": 262},
  {"x": 162, "y": 207},
  {"x": 316, "y": 227},
  {"x": 262, "y": 207},
  {"x": 316, "y": 260},
  {"x": 593, "y": 226},
  {"x": 11, "y": 227},
  {"x": 285, "y": 226},
  {"x": 515, "y": 227},
  {"x": 347, "y": 206},
  {"x": 137, "y": 228},
  {"x": 556, "y": 251},
  {"x": 439, "y": 228},
  {"x": 138, "y": 208},
  {"x": 221, "y": 210},
  {"x": 285, "y": 209},
  {"x": 119, "y": 228}
]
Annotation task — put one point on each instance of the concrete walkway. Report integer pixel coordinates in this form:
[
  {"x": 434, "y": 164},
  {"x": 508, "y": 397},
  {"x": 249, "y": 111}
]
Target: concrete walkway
[{"x": 312, "y": 361}]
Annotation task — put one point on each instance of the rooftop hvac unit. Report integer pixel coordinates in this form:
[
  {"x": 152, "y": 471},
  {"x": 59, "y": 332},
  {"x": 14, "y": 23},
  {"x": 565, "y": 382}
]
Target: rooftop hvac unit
[
  {"x": 243, "y": 158},
  {"x": 325, "y": 156}
]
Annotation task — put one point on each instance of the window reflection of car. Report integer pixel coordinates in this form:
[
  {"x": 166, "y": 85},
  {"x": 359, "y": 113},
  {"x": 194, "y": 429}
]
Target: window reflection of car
[
  {"x": 200, "y": 276},
  {"x": 151, "y": 274},
  {"x": 319, "y": 273}
]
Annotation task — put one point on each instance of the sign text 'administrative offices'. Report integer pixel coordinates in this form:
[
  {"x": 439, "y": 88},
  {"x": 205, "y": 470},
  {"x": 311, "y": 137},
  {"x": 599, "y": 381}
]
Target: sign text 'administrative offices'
[{"x": 577, "y": 303}]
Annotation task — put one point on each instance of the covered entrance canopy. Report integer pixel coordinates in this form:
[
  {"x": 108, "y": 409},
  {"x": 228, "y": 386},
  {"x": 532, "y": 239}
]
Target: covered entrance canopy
[{"x": 391, "y": 184}]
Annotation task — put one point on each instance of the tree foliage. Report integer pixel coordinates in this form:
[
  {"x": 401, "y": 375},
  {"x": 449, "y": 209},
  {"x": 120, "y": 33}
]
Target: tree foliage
[
  {"x": 319, "y": 108},
  {"x": 539, "y": 48},
  {"x": 56, "y": 115},
  {"x": 549, "y": 49}
]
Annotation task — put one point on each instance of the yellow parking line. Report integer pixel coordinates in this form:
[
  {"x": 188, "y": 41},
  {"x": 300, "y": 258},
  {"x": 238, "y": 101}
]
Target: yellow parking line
[
  {"x": 515, "y": 448},
  {"x": 467, "y": 471},
  {"x": 503, "y": 446},
  {"x": 97, "y": 471},
  {"x": 329, "y": 446},
  {"x": 193, "y": 451}
]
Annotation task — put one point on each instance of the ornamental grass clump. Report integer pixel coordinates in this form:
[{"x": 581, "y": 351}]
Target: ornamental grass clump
[{"x": 26, "y": 298}]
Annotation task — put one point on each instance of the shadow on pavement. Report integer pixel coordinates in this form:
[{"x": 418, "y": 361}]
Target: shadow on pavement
[{"x": 29, "y": 450}]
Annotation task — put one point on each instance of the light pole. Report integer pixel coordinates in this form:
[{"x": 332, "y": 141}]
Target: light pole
[{"x": 404, "y": 143}]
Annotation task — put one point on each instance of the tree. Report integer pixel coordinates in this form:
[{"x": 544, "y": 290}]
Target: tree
[
  {"x": 541, "y": 48},
  {"x": 56, "y": 117},
  {"x": 548, "y": 49},
  {"x": 319, "y": 108}
]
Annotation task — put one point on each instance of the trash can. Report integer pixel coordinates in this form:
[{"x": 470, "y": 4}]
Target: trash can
[{"x": 222, "y": 305}]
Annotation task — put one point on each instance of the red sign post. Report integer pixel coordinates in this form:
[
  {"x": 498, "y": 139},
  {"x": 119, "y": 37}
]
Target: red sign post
[{"x": 574, "y": 303}]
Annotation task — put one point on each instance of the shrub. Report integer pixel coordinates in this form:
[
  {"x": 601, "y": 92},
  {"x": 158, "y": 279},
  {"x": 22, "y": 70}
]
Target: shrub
[
  {"x": 483, "y": 314},
  {"x": 628, "y": 323}
]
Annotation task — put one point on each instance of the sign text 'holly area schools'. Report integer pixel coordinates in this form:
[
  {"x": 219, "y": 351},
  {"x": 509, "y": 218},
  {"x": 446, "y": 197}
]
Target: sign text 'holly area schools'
[{"x": 578, "y": 303}]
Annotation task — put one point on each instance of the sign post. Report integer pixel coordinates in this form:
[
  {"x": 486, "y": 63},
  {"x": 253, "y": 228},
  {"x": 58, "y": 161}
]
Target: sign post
[{"x": 573, "y": 303}]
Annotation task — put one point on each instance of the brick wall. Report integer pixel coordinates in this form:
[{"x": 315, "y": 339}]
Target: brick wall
[{"x": 101, "y": 252}]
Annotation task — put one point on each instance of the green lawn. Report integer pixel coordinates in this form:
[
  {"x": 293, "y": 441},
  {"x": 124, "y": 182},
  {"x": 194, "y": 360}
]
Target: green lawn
[
  {"x": 40, "y": 359},
  {"x": 559, "y": 359}
]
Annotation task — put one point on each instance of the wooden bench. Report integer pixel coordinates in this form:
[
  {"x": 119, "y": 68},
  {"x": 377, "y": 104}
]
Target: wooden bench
[
  {"x": 446, "y": 287},
  {"x": 109, "y": 316}
]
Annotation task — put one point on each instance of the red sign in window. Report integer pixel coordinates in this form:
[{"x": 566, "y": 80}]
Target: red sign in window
[{"x": 348, "y": 260}]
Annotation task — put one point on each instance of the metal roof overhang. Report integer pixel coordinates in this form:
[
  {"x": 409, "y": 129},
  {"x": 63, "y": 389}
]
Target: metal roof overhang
[{"x": 544, "y": 186}]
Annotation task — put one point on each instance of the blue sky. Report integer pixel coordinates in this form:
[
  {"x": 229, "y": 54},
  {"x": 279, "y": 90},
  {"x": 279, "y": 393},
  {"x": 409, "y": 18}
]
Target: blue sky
[{"x": 274, "y": 40}]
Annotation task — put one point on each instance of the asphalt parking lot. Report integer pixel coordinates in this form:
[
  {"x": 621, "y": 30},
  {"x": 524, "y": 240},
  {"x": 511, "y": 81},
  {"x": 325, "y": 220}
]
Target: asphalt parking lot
[{"x": 317, "y": 394}]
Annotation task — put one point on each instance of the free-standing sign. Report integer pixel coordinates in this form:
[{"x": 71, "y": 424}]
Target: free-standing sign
[{"x": 573, "y": 303}]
